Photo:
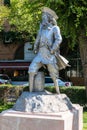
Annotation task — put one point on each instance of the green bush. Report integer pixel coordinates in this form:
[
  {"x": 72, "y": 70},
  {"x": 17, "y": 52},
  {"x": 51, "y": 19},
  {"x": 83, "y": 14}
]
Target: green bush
[
  {"x": 8, "y": 92},
  {"x": 5, "y": 106},
  {"x": 3, "y": 94},
  {"x": 76, "y": 94}
]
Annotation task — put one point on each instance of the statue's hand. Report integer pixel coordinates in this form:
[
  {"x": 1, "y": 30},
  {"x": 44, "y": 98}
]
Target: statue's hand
[
  {"x": 52, "y": 52},
  {"x": 35, "y": 51}
]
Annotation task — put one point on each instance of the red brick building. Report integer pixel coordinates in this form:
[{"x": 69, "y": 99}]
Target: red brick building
[{"x": 15, "y": 55}]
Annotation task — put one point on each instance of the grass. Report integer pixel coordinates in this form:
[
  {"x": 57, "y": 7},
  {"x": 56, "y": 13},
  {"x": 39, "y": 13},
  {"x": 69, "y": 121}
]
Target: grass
[
  {"x": 7, "y": 85},
  {"x": 5, "y": 106},
  {"x": 85, "y": 120}
]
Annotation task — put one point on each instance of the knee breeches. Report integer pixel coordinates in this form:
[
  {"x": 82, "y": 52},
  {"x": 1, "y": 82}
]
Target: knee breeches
[{"x": 53, "y": 70}]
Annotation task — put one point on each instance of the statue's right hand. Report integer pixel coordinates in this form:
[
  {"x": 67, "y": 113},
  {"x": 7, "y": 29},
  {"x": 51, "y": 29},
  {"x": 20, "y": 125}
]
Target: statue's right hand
[{"x": 35, "y": 51}]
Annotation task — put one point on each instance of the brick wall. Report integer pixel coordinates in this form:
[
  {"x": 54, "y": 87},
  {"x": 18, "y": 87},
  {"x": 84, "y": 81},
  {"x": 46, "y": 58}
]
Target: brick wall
[
  {"x": 77, "y": 81},
  {"x": 7, "y": 52}
]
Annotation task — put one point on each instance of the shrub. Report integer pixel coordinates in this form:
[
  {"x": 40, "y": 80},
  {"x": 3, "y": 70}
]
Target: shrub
[
  {"x": 9, "y": 93},
  {"x": 4, "y": 90},
  {"x": 76, "y": 94}
]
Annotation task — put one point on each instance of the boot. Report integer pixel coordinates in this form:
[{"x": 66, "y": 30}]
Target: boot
[
  {"x": 55, "y": 80},
  {"x": 31, "y": 81},
  {"x": 56, "y": 86}
]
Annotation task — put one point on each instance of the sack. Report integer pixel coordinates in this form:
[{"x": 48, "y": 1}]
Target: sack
[{"x": 62, "y": 62}]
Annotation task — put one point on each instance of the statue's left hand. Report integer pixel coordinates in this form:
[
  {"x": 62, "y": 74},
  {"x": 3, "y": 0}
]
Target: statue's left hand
[{"x": 52, "y": 52}]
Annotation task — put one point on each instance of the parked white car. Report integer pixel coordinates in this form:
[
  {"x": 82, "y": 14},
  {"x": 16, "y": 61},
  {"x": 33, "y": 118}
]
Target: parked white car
[
  {"x": 49, "y": 82},
  {"x": 4, "y": 79}
]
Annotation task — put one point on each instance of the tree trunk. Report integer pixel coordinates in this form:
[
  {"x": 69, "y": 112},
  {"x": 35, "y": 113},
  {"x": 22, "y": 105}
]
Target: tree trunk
[{"x": 83, "y": 54}]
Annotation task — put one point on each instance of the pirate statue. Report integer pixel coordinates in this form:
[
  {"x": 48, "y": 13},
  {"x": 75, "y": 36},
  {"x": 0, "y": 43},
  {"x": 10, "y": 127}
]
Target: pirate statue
[{"x": 46, "y": 48}]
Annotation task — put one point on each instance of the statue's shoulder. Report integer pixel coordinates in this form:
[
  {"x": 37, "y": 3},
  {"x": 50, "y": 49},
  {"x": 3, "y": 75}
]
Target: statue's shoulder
[{"x": 56, "y": 28}]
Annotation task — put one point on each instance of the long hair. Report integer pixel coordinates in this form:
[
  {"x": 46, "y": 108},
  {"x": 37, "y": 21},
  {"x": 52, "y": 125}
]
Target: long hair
[{"x": 51, "y": 19}]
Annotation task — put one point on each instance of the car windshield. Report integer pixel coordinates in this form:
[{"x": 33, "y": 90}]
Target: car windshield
[
  {"x": 48, "y": 80},
  {"x": 4, "y": 77}
]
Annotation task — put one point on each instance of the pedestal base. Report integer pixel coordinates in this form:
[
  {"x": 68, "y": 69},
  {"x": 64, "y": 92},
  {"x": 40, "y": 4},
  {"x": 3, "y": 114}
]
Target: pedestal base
[{"x": 15, "y": 120}]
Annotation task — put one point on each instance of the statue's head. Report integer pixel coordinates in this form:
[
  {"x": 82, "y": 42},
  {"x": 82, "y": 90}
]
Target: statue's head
[
  {"x": 48, "y": 16},
  {"x": 50, "y": 12}
]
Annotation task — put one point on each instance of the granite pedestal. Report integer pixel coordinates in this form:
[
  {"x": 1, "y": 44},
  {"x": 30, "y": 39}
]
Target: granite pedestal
[{"x": 15, "y": 120}]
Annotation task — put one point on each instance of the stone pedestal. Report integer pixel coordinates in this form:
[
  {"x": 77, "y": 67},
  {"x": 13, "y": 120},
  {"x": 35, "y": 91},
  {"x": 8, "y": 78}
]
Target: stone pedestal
[
  {"x": 39, "y": 82},
  {"x": 42, "y": 111},
  {"x": 15, "y": 120}
]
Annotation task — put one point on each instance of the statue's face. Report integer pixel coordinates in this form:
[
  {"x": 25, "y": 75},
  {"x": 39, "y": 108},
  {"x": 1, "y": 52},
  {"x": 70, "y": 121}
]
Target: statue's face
[{"x": 44, "y": 19}]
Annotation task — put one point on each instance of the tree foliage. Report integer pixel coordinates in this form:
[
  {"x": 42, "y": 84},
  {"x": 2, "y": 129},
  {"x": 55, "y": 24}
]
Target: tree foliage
[
  {"x": 4, "y": 13},
  {"x": 25, "y": 15},
  {"x": 72, "y": 17}
]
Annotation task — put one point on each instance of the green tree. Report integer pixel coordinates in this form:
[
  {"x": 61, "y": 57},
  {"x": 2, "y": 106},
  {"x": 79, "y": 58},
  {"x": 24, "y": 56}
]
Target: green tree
[
  {"x": 4, "y": 13},
  {"x": 24, "y": 14}
]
